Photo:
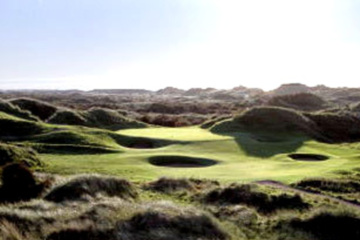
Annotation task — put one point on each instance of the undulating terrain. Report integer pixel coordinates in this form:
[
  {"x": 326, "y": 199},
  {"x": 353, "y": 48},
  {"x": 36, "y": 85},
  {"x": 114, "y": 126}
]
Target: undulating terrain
[{"x": 174, "y": 164}]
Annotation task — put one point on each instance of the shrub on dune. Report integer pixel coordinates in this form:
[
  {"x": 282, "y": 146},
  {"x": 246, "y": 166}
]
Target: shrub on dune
[
  {"x": 80, "y": 187},
  {"x": 19, "y": 184},
  {"x": 15, "y": 154},
  {"x": 152, "y": 225},
  {"x": 169, "y": 185},
  {"x": 330, "y": 226},
  {"x": 68, "y": 117},
  {"x": 38, "y": 108},
  {"x": 264, "y": 203},
  {"x": 11, "y": 109}
]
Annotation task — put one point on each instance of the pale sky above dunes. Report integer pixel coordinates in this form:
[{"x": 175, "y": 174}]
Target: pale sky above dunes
[{"x": 86, "y": 44}]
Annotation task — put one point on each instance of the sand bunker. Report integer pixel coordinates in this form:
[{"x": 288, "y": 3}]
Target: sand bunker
[
  {"x": 308, "y": 157},
  {"x": 181, "y": 161}
]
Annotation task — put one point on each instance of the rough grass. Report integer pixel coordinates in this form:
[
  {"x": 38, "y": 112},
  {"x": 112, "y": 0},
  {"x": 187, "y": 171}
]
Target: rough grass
[
  {"x": 11, "y": 109},
  {"x": 14, "y": 127},
  {"x": 19, "y": 184},
  {"x": 110, "y": 119},
  {"x": 170, "y": 185},
  {"x": 273, "y": 119},
  {"x": 330, "y": 226},
  {"x": 151, "y": 225},
  {"x": 337, "y": 127},
  {"x": 96, "y": 118},
  {"x": 322, "y": 126},
  {"x": 10, "y": 153},
  {"x": 111, "y": 218},
  {"x": 38, "y": 108},
  {"x": 330, "y": 185},
  {"x": 299, "y": 101},
  {"x": 81, "y": 187},
  {"x": 264, "y": 203},
  {"x": 67, "y": 117},
  {"x": 9, "y": 231}
]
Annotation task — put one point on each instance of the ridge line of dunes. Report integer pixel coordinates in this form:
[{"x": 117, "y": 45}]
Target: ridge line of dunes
[
  {"x": 35, "y": 110},
  {"x": 322, "y": 126},
  {"x": 95, "y": 117}
]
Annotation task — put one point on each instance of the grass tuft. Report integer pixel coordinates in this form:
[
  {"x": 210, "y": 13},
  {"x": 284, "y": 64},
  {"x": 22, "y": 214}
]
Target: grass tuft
[
  {"x": 38, "y": 108},
  {"x": 81, "y": 187},
  {"x": 264, "y": 203},
  {"x": 10, "y": 153}
]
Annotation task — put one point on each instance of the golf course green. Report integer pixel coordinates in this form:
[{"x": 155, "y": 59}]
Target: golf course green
[{"x": 239, "y": 157}]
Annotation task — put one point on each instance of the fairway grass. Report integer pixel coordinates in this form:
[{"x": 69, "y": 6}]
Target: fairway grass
[{"x": 241, "y": 158}]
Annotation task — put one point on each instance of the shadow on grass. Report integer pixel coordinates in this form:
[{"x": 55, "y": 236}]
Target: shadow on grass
[{"x": 267, "y": 145}]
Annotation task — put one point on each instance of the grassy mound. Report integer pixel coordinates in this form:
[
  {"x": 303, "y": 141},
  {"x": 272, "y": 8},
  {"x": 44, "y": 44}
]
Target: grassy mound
[
  {"x": 211, "y": 122},
  {"x": 181, "y": 161},
  {"x": 152, "y": 225},
  {"x": 299, "y": 101},
  {"x": 329, "y": 226},
  {"x": 68, "y": 137},
  {"x": 110, "y": 119},
  {"x": 329, "y": 185},
  {"x": 326, "y": 127},
  {"x": 273, "y": 119},
  {"x": 13, "y": 127},
  {"x": 10, "y": 109},
  {"x": 74, "y": 149},
  {"x": 337, "y": 127},
  {"x": 169, "y": 185},
  {"x": 15, "y": 154},
  {"x": 36, "y": 107},
  {"x": 140, "y": 142},
  {"x": 19, "y": 184},
  {"x": 81, "y": 187},
  {"x": 156, "y": 225},
  {"x": 264, "y": 203},
  {"x": 95, "y": 117},
  {"x": 68, "y": 117}
]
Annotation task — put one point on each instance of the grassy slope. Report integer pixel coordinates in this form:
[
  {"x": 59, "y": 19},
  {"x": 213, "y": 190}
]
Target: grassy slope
[{"x": 242, "y": 157}]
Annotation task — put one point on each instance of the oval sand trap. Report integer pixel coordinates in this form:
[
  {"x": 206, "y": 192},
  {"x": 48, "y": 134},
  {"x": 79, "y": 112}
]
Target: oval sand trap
[
  {"x": 181, "y": 161},
  {"x": 308, "y": 157}
]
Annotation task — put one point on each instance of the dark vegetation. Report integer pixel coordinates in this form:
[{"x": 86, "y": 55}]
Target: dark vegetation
[
  {"x": 14, "y": 110},
  {"x": 19, "y": 184},
  {"x": 299, "y": 101},
  {"x": 170, "y": 107},
  {"x": 82, "y": 187},
  {"x": 151, "y": 225},
  {"x": 116, "y": 211},
  {"x": 264, "y": 203},
  {"x": 10, "y": 153},
  {"x": 95, "y": 117},
  {"x": 322, "y": 126},
  {"x": 170, "y": 185},
  {"x": 328, "y": 226},
  {"x": 38, "y": 108},
  {"x": 17, "y": 128},
  {"x": 330, "y": 185}
]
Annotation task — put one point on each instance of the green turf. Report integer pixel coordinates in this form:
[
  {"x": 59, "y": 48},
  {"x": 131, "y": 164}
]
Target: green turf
[{"x": 242, "y": 157}]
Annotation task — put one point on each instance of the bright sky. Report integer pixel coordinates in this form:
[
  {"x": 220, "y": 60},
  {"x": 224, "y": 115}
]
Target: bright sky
[{"x": 87, "y": 44}]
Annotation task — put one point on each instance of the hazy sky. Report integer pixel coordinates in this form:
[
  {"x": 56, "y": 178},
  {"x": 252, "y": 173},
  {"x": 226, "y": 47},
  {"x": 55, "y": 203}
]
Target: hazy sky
[{"x": 152, "y": 44}]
